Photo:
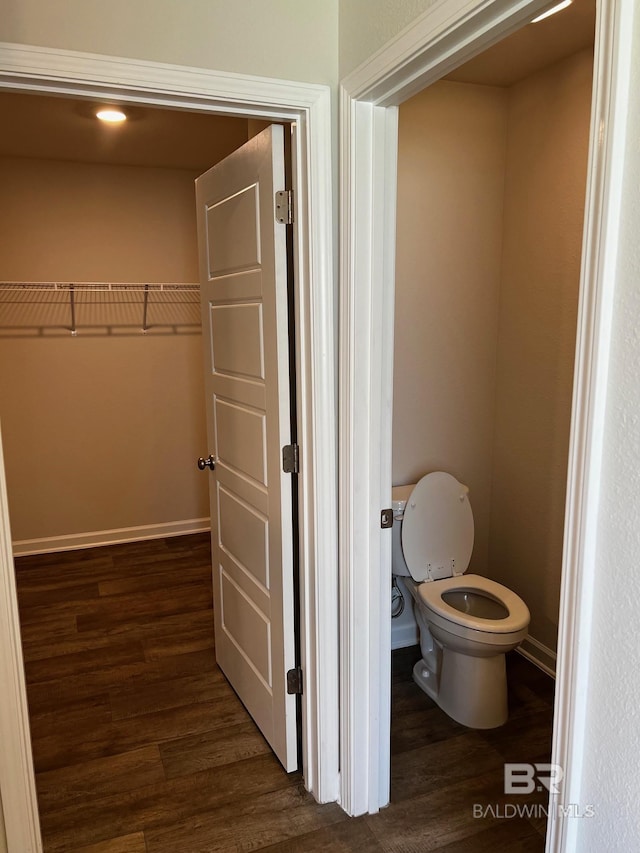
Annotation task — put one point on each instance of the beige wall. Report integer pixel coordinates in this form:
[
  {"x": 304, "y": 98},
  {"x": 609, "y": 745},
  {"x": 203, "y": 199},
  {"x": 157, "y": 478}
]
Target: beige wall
[
  {"x": 366, "y": 25},
  {"x": 449, "y": 240},
  {"x": 65, "y": 221},
  {"x": 548, "y": 136},
  {"x": 100, "y": 432},
  {"x": 279, "y": 38}
]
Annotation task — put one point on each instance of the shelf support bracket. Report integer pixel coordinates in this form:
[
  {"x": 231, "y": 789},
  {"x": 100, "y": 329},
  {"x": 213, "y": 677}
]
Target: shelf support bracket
[
  {"x": 72, "y": 305},
  {"x": 144, "y": 309}
]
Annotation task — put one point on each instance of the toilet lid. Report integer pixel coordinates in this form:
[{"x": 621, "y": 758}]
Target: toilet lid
[{"x": 437, "y": 530}]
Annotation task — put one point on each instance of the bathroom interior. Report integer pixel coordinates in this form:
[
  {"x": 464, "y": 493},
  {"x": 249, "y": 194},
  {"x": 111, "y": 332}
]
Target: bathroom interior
[{"x": 492, "y": 168}]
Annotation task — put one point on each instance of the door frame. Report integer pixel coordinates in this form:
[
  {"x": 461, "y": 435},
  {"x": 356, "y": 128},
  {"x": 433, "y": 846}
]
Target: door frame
[
  {"x": 61, "y": 72},
  {"x": 449, "y": 33}
]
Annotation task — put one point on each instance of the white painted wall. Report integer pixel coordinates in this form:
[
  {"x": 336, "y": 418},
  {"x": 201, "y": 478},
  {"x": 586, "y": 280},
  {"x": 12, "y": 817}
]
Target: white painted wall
[
  {"x": 545, "y": 184},
  {"x": 451, "y": 166},
  {"x": 611, "y": 772},
  {"x": 289, "y": 39}
]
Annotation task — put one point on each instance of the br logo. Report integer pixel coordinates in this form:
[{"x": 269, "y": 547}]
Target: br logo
[{"x": 526, "y": 778}]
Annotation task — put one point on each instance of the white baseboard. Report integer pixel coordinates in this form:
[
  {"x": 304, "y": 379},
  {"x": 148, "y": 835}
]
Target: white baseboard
[
  {"x": 96, "y": 538},
  {"x": 539, "y": 654},
  {"x": 404, "y": 628},
  {"x": 404, "y": 635}
]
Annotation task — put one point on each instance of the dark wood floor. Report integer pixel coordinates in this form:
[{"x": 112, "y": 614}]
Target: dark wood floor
[{"x": 140, "y": 745}]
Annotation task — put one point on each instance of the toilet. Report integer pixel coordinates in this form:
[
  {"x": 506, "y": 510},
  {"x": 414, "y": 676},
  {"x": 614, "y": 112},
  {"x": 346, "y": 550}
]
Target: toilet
[{"x": 467, "y": 623}]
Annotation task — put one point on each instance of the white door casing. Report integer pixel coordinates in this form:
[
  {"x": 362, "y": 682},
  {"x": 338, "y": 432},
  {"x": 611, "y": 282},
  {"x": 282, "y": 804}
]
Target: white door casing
[
  {"x": 243, "y": 279},
  {"x": 17, "y": 779},
  {"x": 30, "y": 68}
]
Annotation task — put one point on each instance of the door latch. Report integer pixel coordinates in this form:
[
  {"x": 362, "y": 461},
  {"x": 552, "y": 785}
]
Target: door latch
[{"x": 386, "y": 518}]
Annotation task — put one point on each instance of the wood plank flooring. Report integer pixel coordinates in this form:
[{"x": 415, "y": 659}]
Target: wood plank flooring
[{"x": 141, "y": 746}]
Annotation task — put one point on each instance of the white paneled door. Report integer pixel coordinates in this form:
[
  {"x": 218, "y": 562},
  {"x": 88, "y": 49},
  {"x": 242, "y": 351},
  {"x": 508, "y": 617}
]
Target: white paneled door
[{"x": 243, "y": 276}]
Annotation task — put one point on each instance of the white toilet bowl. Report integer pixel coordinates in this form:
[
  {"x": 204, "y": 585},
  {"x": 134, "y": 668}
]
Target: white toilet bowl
[{"x": 467, "y": 623}]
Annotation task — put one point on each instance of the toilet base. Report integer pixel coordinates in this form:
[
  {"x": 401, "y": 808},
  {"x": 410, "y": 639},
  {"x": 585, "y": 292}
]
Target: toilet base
[
  {"x": 426, "y": 680},
  {"x": 471, "y": 690}
]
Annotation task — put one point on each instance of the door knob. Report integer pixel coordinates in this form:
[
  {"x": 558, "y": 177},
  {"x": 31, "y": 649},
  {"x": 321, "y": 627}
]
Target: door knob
[{"x": 209, "y": 462}]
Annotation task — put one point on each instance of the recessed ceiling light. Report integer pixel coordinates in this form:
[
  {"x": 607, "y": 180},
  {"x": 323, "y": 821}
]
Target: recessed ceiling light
[
  {"x": 552, "y": 11},
  {"x": 111, "y": 115}
]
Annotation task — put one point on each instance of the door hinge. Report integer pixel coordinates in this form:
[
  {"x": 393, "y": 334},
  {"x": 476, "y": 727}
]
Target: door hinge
[
  {"x": 386, "y": 518},
  {"x": 284, "y": 207},
  {"x": 294, "y": 680},
  {"x": 290, "y": 459}
]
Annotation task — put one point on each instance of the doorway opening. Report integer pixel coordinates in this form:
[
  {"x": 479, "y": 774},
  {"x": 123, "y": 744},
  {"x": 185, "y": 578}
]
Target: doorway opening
[
  {"x": 118, "y": 388},
  {"x": 492, "y": 176},
  {"x": 308, "y": 109},
  {"x": 423, "y": 54}
]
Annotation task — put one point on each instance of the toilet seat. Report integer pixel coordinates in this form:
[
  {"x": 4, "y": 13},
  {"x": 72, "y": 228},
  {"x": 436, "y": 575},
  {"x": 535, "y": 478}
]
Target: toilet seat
[{"x": 430, "y": 596}]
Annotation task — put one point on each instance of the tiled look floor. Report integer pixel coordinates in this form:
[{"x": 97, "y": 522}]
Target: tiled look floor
[{"x": 141, "y": 746}]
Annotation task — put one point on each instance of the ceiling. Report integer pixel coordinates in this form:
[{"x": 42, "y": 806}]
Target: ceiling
[
  {"x": 531, "y": 48},
  {"x": 66, "y": 129}
]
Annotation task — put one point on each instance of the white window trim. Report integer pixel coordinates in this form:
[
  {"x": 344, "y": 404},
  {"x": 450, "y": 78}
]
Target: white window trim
[
  {"x": 43, "y": 70},
  {"x": 450, "y": 32}
]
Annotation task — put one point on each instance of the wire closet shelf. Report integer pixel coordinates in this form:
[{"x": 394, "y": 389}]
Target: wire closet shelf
[{"x": 42, "y": 308}]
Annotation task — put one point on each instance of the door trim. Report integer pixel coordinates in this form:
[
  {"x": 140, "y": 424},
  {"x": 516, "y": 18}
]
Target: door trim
[
  {"x": 44, "y": 70},
  {"x": 450, "y": 32},
  {"x": 17, "y": 781}
]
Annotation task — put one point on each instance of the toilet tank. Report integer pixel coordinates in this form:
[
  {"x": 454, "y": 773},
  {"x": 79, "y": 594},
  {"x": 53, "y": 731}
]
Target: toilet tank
[{"x": 399, "y": 498}]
